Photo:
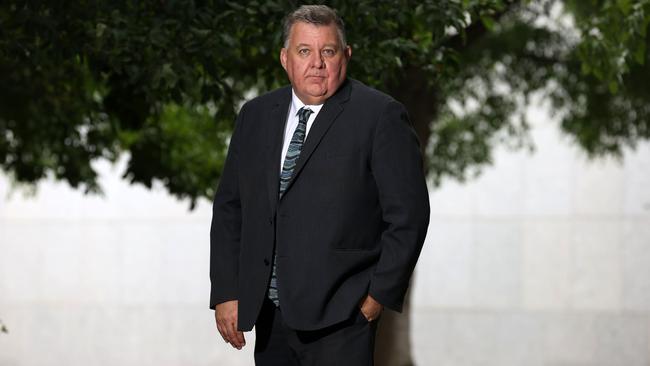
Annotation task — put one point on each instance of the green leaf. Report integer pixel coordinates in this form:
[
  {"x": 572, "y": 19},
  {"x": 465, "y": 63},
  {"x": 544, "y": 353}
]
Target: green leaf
[
  {"x": 99, "y": 30},
  {"x": 625, "y": 6},
  {"x": 488, "y": 22},
  {"x": 613, "y": 87},
  {"x": 640, "y": 53}
]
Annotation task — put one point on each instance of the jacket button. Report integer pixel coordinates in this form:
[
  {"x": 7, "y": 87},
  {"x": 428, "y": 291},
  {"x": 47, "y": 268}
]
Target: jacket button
[
  {"x": 270, "y": 220},
  {"x": 266, "y": 261}
]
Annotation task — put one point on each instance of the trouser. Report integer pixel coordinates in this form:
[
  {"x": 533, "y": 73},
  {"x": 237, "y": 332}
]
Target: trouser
[{"x": 349, "y": 343}]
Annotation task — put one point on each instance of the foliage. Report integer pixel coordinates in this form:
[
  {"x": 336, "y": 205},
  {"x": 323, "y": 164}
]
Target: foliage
[{"x": 162, "y": 80}]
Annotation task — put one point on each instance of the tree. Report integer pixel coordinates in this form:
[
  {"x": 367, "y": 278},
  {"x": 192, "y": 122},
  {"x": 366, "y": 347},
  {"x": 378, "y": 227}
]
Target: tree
[{"x": 162, "y": 81}]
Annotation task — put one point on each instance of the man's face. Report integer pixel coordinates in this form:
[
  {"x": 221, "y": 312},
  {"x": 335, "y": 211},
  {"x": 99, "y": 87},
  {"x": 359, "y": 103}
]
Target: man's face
[{"x": 315, "y": 61}]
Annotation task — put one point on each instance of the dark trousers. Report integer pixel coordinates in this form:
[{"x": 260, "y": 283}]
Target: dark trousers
[{"x": 350, "y": 343}]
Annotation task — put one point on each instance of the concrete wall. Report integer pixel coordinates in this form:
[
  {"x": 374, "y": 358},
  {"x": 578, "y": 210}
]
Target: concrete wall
[{"x": 543, "y": 260}]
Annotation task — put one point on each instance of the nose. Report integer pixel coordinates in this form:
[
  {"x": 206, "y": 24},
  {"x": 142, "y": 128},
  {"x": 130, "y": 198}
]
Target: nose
[{"x": 317, "y": 60}]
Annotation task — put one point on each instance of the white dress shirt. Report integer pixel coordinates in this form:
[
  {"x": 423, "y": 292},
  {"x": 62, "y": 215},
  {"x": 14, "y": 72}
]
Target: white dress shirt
[{"x": 292, "y": 122}]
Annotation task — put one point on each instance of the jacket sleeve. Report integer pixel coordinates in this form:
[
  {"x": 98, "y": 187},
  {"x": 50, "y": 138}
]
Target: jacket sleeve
[
  {"x": 225, "y": 229},
  {"x": 397, "y": 167}
]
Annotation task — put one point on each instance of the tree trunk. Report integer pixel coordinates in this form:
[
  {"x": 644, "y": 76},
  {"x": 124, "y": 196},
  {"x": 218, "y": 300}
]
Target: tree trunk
[{"x": 393, "y": 346}]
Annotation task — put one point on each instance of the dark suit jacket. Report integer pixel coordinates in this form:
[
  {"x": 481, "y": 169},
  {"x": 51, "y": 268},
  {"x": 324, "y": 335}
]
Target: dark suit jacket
[{"x": 351, "y": 222}]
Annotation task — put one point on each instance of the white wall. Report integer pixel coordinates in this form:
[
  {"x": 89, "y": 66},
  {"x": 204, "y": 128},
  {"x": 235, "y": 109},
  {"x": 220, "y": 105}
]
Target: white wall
[
  {"x": 544, "y": 260},
  {"x": 114, "y": 280}
]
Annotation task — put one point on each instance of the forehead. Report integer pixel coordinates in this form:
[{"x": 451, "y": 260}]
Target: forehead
[{"x": 313, "y": 34}]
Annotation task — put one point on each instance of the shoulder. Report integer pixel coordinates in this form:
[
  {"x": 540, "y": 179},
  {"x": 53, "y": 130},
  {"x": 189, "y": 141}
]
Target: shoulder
[
  {"x": 371, "y": 104},
  {"x": 364, "y": 94}
]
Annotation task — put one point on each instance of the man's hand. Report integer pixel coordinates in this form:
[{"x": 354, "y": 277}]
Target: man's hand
[
  {"x": 370, "y": 308},
  {"x": 226, "y": 316}
]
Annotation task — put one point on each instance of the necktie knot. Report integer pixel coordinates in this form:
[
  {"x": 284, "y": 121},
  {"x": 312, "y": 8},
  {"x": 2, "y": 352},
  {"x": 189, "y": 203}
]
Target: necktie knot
[{"x": 303, "y": 114}]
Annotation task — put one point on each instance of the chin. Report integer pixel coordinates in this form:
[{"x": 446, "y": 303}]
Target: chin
[{"x": 317, "y": 92}]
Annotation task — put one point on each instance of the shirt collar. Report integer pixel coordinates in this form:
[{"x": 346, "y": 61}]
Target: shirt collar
[{"x": 296, "y": 104}]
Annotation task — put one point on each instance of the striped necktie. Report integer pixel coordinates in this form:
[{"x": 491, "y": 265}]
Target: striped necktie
[{"x": 293, "y": 152}]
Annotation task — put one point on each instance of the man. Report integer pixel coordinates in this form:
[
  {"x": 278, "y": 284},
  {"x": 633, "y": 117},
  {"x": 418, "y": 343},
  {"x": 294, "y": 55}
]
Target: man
[{"x": 321, "y": 210}]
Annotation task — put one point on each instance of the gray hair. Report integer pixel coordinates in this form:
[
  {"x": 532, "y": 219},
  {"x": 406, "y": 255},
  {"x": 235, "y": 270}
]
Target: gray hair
[{"x": 317, "y": 15}]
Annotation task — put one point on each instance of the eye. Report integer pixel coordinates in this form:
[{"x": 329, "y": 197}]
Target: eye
[
  {"x": 303, "y": 51},
  {"x": 328, "y": 52}
]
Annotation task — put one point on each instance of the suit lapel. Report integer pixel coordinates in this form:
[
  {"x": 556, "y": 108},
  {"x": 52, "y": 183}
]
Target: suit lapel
[
  {"x": 332, "y": 108},
  {"x": 277, "y": 120}
]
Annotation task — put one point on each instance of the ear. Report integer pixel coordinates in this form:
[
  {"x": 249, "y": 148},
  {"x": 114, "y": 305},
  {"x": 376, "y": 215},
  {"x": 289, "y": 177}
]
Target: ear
[
  {"x": 283, "y": 58},
  {"x": 348, "y": 52}
]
